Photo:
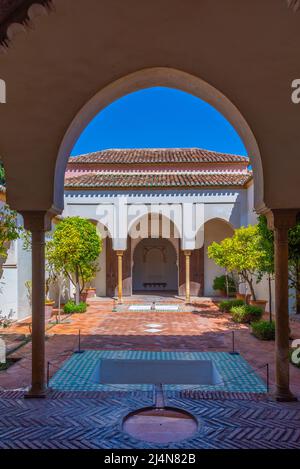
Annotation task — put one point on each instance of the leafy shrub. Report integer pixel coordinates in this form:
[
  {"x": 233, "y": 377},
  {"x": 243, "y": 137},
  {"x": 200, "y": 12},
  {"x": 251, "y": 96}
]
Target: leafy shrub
[
  {"x": 246, "y": 313},
  {"x": 6, "y": 321},
  {"x": 220, "y": 284},
  {"x": 227, "y": 305},
  {"x": 263, "y": 330},
  {"x": 71, "y": 307}
]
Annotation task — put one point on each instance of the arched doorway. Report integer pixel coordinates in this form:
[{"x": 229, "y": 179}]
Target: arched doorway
[
  {"x": 151, "y": 77},
  {"x": 155, "y": 266}
]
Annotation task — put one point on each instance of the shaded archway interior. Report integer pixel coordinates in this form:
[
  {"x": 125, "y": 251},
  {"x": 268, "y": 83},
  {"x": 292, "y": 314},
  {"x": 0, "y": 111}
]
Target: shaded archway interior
[{"x": 155, "y": 267}]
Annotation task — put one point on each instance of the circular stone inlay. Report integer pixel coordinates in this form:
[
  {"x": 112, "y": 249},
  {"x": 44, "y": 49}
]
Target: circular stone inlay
[{"x": 166, "y": 425}]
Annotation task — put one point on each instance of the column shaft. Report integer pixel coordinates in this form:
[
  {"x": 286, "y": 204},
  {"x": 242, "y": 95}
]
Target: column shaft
[
  {"x": 187, "y": 276},
  {"x": 120, "y": 276},
  {"x": 280, "y": 221},
  {"x": 38, "y": 222},
  {"x": 282, "y": 314},
  {"x": 38, "y": 386}
]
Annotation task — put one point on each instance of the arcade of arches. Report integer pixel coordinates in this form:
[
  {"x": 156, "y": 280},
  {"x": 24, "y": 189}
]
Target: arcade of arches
[{"x": 48, "y": 107}]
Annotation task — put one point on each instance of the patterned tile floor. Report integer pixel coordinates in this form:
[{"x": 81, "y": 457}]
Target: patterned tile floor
[
  {"x": 92, "y": 419},
  {"x": 77, "y": 372},
  {"x": 203, "y": 329},
  {"x": 75, "y": 421}
]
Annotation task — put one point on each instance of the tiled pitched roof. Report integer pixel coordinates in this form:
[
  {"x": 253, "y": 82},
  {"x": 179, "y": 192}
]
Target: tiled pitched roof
[
  {"x": 157, "y": 155},
  {"x": 161, "y": 180}
]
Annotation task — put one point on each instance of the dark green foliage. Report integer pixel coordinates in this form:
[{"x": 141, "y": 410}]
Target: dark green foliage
[
  {"x": 226, "y": 305},
  {"x": 221, "y": 284},
  {"x": 2, "y": 174},
  {"x": 246, "y": 313},
  {"x": 267, "y": 240},
  {"x": 267, "y": 244},
  {"x": 9, "y": 229},
  {"x": 294, "y": 262},
  {"x": 264, "y": 330},
  {"x": 71, "y": 307}
]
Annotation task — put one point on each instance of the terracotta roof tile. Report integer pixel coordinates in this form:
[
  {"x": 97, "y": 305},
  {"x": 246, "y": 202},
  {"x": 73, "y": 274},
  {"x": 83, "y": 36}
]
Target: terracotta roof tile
[
  {"x": 157, "y": 155},
  {"x": 161, "y": 180}
]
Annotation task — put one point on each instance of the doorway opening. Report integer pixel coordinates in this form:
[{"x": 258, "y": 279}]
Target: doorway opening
[{"x": 155, "y": 267}]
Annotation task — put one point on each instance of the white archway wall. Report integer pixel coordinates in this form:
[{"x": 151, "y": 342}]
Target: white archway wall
[
  {"x": 214, "y": 230},
  {"x": 41, "y": 105},
  {"x": 162, "y": 211}
]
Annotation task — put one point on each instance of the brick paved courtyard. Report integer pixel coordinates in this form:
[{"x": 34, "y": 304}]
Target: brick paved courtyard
[
  {"x": 93, "y": 421},
  {"x": 227, "y": 421}
]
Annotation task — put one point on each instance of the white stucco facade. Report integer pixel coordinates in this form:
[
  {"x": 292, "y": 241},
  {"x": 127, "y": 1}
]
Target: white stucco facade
[{"x": 177, "y": 219}]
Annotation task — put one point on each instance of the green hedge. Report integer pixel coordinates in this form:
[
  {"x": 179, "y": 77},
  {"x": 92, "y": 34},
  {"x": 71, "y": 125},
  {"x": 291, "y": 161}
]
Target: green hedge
[
  {"x": 71, "y": 307},
  {"x": 220, "y": 284},
  {"x": 263, "y": 330},
  {"x": 246, "y": 313},
  {"x": 227, "y": 305}
]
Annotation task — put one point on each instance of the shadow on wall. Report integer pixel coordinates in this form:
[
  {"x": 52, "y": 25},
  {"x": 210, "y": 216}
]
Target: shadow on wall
[
  {"x": 155, "y": 266},
  {"x": 214, "y": 230}
]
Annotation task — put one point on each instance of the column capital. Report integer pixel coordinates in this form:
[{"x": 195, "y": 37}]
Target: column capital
[
  {"x": 187, "y": 252},
  {"x": 119, "y": 252},
  {"x": 282, "y": 218},
  {"x": 37, "y": 220}
]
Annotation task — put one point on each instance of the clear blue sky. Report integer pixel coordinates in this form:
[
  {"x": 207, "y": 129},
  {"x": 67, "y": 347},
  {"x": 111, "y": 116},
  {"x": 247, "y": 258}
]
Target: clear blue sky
[{"x": 161, "y": 118}]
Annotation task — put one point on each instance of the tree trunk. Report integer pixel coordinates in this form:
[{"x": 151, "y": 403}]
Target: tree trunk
[
  {"x": 59, "y": 300},
  {"x": 250, "y": 283},
  {"x": 77, "y": 293}
]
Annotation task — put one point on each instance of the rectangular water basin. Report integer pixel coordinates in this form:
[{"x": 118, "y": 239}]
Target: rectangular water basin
[
  {"x": 155, "y": 307},
  {"x": 166, "y": 307},
  {"x": 139, "y": 308},
  {"x": 119, "y": 371}
]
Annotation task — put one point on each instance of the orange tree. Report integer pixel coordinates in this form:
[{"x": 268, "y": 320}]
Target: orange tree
[
  {"x": 9, "y": 229},
  {"x": 241, "y": 254},
  {"x": 73, "y": 250}
]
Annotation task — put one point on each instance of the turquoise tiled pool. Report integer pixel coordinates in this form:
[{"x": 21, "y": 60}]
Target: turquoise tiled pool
[{"x": 77, "y": 373}]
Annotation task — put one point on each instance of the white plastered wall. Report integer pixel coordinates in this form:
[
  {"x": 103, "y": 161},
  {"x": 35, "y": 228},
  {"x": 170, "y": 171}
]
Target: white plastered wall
[
  {"x": 214, "y": 230},
  {"x": 100, "y": 281},
  {"x": 16, "y": 271}
]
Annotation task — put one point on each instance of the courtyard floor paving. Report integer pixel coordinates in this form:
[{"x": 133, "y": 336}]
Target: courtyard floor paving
[{"x": 201, "y": 327}]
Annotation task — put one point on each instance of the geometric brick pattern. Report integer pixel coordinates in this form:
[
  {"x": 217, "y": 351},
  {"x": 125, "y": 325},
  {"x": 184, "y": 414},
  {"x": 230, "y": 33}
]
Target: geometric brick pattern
[{"x": 79, "y": 421}]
